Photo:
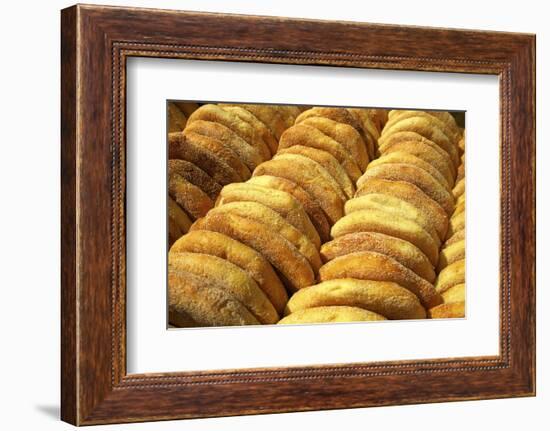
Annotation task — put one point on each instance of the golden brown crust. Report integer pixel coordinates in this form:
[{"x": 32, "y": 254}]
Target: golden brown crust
[
  {"x": 180, "y": 147},
  {"x": 308, "y": 136},
  {"x": 457, "y": 293},
  {"x": 382, "y": 297},
  {"x": 232, "y": 121},
  {"x": 316, "y": 186},
  {"x": 389, "y": 224},
  {"x": 259, "y": 127},
  {"x": 340, "y": 115},
  {"x": 402, "y": 115},
  {"x": 281, "y": 202},
  {"x": 345, "y": 134},
  {"x": 393, "y": 205},
  {"x": 187, "y": 107},
  {"x": 457, "y": 223},
  {"x": 448, "y": 311},
  {"x": 221, "y": 150},
  {"x": 263, "y": 214},
  {"x": 174, "y": 231},
  {"x": 371, "y": 133},
  {"x": 176, "y": 119},
  {"x": 245, "y": 257},
  {"x": 426, "y": 127},
  {"x": 440, "y": 160},
  {"x": 250, "y": 156},
  {"x": 368, "y": 265},
  {"x": 179, "y": 217},
  {"x": 414, "y": 175},
  {"x": 230, "y": 277},
  {"x": 193, "y": 200},
  {"x": 312, "y": 208},
  {"x": 204, "y": 301},
  {"x": 335, "y": 314},
  {"x": 411, "y": 194},
  {"x": 270, "y": 115},
  {"x": 451, "y": 275},
  {"x": 459, "y": 188},
  {"x": 458, "y": 236},
  {"x": 328, "y": 162},
  {"x": 387, "y": 141},
  {"x": 195, "y": 176},
  {"x": 406, "y": 253},
  {"x": 451, "y": 253},
  {"x": 294, "y": 269}
]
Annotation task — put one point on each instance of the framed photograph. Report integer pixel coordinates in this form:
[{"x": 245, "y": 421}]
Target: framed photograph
[{"x": 264, "y": 214}]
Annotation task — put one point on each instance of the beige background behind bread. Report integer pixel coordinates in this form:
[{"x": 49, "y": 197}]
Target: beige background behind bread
[{"x": 29, "y": 174}]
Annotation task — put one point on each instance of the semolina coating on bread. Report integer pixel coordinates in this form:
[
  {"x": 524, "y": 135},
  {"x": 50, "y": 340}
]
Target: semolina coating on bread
[
  {"x": 451, "y": 275},
  {"x": 451, "y": 310},
  {"x": 293, "y": 268},
  {"x": 457, "y": 293},
  {"x": 316, "y": 186},
  {"x": 325, "y": 159},
  {"x": 382, "y": 297},
  {"x": 305, "y": 163},
  {"x": 368, "y": 265},
  {"x": 180, "y": 147},
  {"x": 414, "y": 175},
  {"x": 452, "y": 135},
  {"x": 230, "y": 120},
  {"x": 451, "y": 253},
  {"x": 178, "y": 221},
  {"x": 193, "y": 200},
  {"x": 406, "y": 253},
  {"x": 345, "y": 135},
  {"x": 195, "y": 176},
  {"x": 308, "y": 136},
  {"x": 426, "y": 127},
  {"x": 332, "y": 314},
  {"x": 386, "y": 141},
  {"x": 393, "y": 205},
  {"x": 204, "y": 301},
  {"x": 281, "y": 202},
  {"x": 381, "y": 221},
  {"x": 239, "y": 254},
  {"x": 456, "y": 223},
  {"x": 259, "y": 128},
  {"x": 411, "y": 194},
  {"x": 176, "y": 119},
  {"x": 250, "y": 156},
  {"x": 365, "y": 118},
  {"x": 431, "y": 154},
  {"x": 311, "y": 207},
  {"x": 274, "y": 119},
  {"x": 459, "y": 188},
  {"x": 409, "y": 159},
  {"x": 340, "y": 115},
  {"x": 458, "y": 236},
  {"x": 221, "y": 150},
  {"x": 187, "y": 107},
  {"x": 230, "y": 277},
  {"x": 174, "y": 231},
  {"x": 266, "y": 215}
]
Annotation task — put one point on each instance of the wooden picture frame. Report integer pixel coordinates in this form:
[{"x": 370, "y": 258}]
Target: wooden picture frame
[{"x": 95, "y": 43}]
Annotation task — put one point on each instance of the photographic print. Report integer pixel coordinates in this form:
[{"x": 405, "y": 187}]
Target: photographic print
[{"x": 284, "y": 214}]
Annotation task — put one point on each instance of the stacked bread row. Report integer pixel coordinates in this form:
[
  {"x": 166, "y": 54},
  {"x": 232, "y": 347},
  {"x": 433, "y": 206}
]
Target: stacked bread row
[
  {"x": 261, "y": 241},
  {"x": 219, "y": 145},
  {"x": 451, "y": 269},
  {"x": 384, "y": 251}
]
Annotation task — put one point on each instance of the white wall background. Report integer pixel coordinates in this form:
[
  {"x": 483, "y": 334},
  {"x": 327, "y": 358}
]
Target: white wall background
[{"x": 29, "y": 217}]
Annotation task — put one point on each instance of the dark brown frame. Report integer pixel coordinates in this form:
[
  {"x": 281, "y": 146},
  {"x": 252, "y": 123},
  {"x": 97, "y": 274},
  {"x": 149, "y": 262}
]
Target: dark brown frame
[{"x": 95, "y": 43}]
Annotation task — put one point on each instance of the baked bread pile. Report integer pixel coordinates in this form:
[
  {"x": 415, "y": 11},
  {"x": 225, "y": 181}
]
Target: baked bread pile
[
  {"x": 261, "y": 241},
  {"x": 315, "y": 215},
  {"x": 214, "y": 145},
  {"x": 451, "y": 278},
  {"x": 384, "y": 251}
]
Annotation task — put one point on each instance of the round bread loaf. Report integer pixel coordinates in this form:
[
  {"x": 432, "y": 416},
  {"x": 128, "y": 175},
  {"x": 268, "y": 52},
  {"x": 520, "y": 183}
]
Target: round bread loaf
[
  {"x": 340, "y": 314},
  {"x": 382, "y": 297},
  {"x": 368, "y": 265}
]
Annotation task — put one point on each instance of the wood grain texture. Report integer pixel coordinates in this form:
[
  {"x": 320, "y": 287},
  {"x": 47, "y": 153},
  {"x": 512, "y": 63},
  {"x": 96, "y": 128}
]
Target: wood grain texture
[{"x": 96, "y": 41}]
